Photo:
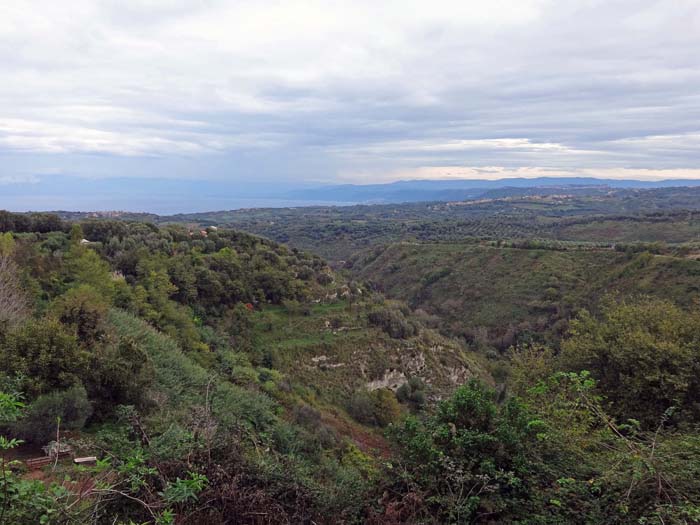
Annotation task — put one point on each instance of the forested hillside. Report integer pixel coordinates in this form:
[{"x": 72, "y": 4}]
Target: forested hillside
[
  {"x": 219, "y": 377},
  {"x": 500, "y": 294},
  {"x": 202, "y": 361}
]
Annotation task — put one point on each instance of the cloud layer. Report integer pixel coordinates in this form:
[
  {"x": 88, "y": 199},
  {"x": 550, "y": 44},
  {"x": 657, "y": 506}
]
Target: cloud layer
[{"x": 353, "y": 91}]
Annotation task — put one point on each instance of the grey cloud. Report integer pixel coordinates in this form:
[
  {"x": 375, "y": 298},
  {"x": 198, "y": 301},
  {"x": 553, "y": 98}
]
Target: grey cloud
[{"x": 319, "y": 91}]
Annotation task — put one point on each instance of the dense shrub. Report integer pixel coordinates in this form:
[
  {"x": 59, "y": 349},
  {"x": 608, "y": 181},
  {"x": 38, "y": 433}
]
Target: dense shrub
[
  {"x": 378, "y": 407},
  {"x": 554, "y": 456},
  {"x": 120, "y": 374},
  {"x": 68, "y": 409},
  {"x": 412, "y": 392},
  {"x": 468, "y": 458},
  {"x": 45, "y": 356},
  {"x": 393, "y": 322},
  {"x": 645, "y": 355},
  {"x": 324, "y": 279},
  {"x": 84, "y": 310},
  {"x": 386, "y": 408},
  {"x": 361, "y": 407}
]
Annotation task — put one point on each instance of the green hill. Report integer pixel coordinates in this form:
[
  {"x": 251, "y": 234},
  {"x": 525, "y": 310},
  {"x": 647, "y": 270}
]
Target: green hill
[
  {"x": 178, "y": 355},
  {"x": 498, "y": 295},
  {"x": 212, "y": 376}
]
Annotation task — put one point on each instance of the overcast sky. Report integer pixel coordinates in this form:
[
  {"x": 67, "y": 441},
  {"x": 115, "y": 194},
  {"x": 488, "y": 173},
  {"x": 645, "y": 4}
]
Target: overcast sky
[{"x": 356, "y": 91}]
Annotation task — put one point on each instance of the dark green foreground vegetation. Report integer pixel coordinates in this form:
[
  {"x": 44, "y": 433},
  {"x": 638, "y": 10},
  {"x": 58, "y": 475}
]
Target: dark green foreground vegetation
[{"x": 222, "y": 378}]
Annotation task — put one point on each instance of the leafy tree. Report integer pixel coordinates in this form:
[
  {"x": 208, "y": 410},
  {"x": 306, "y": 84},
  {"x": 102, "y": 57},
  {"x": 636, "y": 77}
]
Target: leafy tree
[
  {"x": 121, "y": 374},
  {"x": 394, "y": 322},
  {"x": 7, "y": 244},
  {"x": 645, "y": 355},
  {"x": 85, "y": 267},
  {"x": 182, "y": 274},
  {"x": 468, "y": 460},
  {"x": 152, "y": 299},
  {"x": 76, "y": 234},
  {"x": 84, "y": 310},
  {"x": 238, "y": 324},
  {"x": 387, "y": 408},
  {"x": 44, "y": 355}
]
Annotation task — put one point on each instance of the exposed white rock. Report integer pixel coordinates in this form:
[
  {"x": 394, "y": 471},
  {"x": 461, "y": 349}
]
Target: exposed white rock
[{"x": 392, "y": 379}]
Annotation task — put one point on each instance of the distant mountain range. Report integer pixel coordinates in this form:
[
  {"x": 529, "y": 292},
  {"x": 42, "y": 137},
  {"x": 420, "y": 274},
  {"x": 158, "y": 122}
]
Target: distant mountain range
[
  {"x": 460, "y": 189},
  {"x": 174, "y": 196}
]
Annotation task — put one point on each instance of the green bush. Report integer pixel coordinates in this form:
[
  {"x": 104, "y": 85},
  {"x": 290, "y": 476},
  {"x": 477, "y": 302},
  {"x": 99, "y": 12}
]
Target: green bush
[
  {"x": 468, "y": 458},
  {"x": 393, "y": 322},
  {"x": 83, "y": 310},
  {"x": 412, "y": 392},
  {"x": 645, "y": 355},
  {"x": 45, "y": 355},
  {"x": 361, "y": 407},
  {"x": 68, "y": 408},
  {"x": 120, "y": 374},
  {"x": 386, "y": 408},
  {"x": 379, "y": 407}
]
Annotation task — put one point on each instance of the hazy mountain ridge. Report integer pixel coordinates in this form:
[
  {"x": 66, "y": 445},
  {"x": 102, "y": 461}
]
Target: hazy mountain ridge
[
  {"x": 174, "y": 197},
  {"x": 462, "y": 189}
]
